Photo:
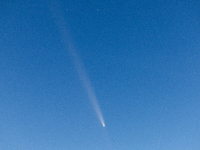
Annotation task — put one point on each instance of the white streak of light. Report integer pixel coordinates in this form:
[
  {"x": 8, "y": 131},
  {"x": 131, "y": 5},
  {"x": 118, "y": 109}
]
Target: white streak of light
[{"x": 77, "y": 61}]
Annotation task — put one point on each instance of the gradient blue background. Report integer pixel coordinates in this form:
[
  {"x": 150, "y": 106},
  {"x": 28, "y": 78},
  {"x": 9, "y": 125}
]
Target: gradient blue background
[{"x": 142, "y": 57}]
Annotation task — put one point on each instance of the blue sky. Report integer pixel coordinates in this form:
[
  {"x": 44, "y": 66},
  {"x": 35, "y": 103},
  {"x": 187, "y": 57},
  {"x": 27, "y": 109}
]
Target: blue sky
[{"x": 141, "y": 57}]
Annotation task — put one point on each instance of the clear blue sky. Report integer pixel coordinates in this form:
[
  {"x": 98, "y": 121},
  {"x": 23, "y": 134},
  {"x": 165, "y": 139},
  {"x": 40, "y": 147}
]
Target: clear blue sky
[{"x": 142, "y": 58}]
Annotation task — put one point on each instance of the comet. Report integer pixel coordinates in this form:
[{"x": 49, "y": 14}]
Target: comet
[{"x": 66, "y": 38}]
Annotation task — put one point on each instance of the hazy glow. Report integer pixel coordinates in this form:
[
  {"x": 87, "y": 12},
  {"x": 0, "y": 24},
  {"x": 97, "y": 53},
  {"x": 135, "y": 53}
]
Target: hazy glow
[{"x": 77, "y": 61}]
